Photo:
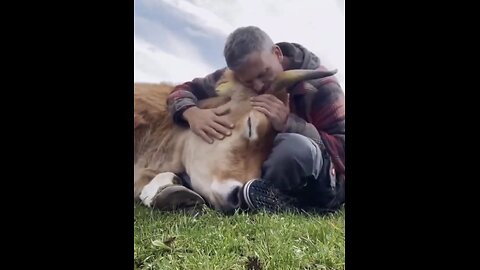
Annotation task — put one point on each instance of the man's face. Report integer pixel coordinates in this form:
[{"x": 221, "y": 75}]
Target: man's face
[{"x": 260, "y": 69}]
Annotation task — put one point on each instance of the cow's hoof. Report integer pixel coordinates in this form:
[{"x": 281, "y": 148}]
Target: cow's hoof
[{"x": 176, "y": 197}]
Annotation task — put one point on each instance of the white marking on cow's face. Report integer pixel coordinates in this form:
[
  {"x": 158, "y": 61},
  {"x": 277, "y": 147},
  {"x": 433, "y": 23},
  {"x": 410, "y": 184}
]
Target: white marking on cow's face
[
  {"x": 151, "y": 189},
  {"x": 205, "y": 162},
  {"x": 200, "y": 158},
  {"x": 224, "y": 194}
]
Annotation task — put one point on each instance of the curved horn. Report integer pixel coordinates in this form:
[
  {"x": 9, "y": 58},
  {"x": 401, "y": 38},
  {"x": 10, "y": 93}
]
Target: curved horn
[{"x": 290, "y": 77}]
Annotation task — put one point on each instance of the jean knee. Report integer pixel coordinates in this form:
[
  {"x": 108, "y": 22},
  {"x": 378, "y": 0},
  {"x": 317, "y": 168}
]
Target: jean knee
[{"x": 296, "y": 150}]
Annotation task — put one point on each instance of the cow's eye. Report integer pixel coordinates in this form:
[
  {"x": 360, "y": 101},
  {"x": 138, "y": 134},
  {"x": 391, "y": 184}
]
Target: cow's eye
[{"x": 249, "y": 122}]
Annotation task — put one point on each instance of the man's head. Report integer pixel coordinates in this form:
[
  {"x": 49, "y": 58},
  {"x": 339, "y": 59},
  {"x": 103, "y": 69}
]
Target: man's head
[{"x": 251, "y": 54}]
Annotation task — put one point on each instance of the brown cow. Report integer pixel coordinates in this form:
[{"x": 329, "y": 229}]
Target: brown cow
[{"x": 217, "y": 171}]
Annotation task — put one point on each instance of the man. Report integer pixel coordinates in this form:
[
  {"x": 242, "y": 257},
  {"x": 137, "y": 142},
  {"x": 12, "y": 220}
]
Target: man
[{"x": 307, "y": 165}]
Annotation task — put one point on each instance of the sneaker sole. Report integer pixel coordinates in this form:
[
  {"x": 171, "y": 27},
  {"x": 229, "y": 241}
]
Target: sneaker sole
[{"x": 176, "y": 197}]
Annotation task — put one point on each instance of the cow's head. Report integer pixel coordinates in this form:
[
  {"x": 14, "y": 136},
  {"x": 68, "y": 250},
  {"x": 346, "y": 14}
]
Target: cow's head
[{"x": 218, "y": 170}]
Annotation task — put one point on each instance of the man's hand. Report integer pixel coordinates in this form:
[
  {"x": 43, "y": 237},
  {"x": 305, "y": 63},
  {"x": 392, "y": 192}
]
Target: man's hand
[
  {"x": 208, "y": 123},
  {"x": 273, "y": 108}
]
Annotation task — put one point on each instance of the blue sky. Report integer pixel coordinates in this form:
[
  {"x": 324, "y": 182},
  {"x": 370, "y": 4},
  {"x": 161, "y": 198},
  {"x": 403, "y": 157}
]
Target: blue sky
[{"x": 178, "y": 40}]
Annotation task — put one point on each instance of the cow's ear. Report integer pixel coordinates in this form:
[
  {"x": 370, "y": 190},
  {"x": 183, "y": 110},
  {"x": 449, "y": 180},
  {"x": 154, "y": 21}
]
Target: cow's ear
[{"x": 138, "y": 120}]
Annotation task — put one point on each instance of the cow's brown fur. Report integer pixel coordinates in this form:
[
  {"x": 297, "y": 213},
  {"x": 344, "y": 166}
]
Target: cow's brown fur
[
  {"x": 162, "y": 146},
  {"x": 247, "y": 155},
  {"x": 159, "y": 143}
]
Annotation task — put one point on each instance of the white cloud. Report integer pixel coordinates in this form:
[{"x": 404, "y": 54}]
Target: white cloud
[
  {"x": 154, "y": 65},
  {"x": 199, "y": 15},
  {"x": 196, "y": 33},
  {"x": 318, "y": 25},
  {"x": 172, "y": 42}
]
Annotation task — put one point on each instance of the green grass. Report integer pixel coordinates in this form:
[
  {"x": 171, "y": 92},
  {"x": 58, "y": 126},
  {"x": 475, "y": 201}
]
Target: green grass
[{"x": 211, "y": 240}]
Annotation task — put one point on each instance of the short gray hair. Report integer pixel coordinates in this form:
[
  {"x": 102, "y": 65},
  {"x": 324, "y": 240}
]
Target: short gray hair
[{"x": 242, "y": 42}]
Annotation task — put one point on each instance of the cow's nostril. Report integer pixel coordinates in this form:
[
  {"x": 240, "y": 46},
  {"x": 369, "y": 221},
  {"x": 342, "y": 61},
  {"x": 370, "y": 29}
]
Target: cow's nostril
[{"x": 233, "y": 197}]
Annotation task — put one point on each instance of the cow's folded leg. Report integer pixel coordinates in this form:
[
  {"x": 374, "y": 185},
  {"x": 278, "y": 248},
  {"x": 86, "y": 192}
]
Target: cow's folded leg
[{"x": 165, "y": 192}]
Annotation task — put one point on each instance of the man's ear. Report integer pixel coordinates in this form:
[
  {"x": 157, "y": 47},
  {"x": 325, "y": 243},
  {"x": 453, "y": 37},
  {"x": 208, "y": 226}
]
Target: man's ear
[{"x": 278, "y": 52}]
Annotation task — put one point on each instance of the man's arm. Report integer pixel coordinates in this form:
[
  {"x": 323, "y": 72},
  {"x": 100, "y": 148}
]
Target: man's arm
[
  {"x": 296, "y": 124},
  {"x": 187, "y": 95}
]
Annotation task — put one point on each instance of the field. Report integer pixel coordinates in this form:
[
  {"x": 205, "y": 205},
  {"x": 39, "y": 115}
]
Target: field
[{"x": 209, "y": 240}]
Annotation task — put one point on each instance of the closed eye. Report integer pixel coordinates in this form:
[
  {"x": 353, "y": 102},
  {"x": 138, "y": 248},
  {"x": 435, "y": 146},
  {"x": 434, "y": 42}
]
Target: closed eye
[{"x": 249, "y": 122}]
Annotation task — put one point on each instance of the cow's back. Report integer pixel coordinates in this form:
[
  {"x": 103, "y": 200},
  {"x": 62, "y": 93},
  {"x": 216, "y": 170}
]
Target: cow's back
[{"x": 156, "y": 137}]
